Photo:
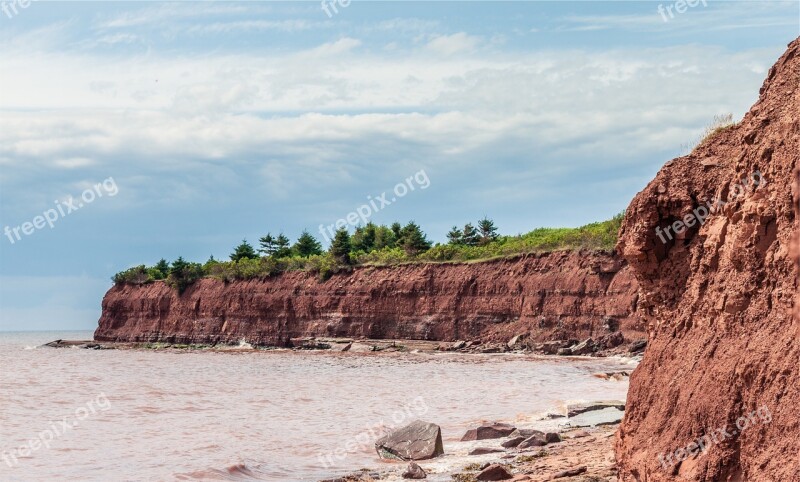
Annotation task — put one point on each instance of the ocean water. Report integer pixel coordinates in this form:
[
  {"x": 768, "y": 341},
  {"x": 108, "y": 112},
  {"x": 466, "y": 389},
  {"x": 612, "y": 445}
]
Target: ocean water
[{"x": 119, "y": 415}]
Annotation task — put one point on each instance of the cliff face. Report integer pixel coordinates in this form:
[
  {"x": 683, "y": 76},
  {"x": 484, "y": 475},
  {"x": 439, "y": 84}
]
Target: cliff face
[
  {"x": 552, "y": 296},
  {"x": 718, "y": 300}
]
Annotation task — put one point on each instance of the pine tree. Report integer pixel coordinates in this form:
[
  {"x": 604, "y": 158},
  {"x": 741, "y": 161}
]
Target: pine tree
[
  {"x": 307, "y": 245},
  {"x": 178, "y": 266},
  {"x": 397, "y": 230},
  {"x": 384, "y": 237},
  {"x": 470, "y": 235},
  {"x": 364, "y": 238},
  {"x": 488, "y": 231},
  {"x": 455, "y": 236},
  {"x": 267, "y": 245},
  {"x": 243, "y": 251},
  {"x": 282, "y": 247},
  {"x": 340, "y": 247},
  {"x": 163, "y": 267},
  {"x": 414, "y": 240}
]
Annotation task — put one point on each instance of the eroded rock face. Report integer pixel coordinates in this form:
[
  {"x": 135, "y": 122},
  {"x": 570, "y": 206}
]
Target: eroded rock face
[
  {"x": 718, "y": 300},
  {"x": 552, "y": 296}
]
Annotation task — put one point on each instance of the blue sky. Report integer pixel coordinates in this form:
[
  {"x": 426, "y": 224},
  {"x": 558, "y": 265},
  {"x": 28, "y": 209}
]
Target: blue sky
[{"x": 219, "y": 121}]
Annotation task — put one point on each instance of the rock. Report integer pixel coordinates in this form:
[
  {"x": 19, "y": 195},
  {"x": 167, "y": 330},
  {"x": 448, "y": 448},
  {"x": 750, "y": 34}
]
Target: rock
[
  {"x": 550, "y": 347},
  {"x": 525, "y": 432},
  {"x": 514, "y": 342},
  {"x": 552, "y": 437},
  {"x": 578, "y": 408},
  {"x": 580, "y": 434},
  {"x": 495, "y": 472},
  {"x": 459, "y": 345},
  {"x": 610, "y": 324},
  {"x": 637, "y": 346},
  {"x": 414, "y": 471},
  {"x": 585, "y": 347},
  {"x": 484, "y": 451},
  {"x": 416, "y": 441},
  {"x": 536, "y": 440},
  {"x": 564, "y": 352},
  {"x": 513, "y": 442},
  {"x": 488, "y": 431},
  {"x": 569, "y": 473},
  {"x": 612, "y": 340}
]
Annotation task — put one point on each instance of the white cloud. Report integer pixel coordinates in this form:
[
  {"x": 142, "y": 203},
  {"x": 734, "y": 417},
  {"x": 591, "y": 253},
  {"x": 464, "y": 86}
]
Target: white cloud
[{"x": 453, "y": 44}]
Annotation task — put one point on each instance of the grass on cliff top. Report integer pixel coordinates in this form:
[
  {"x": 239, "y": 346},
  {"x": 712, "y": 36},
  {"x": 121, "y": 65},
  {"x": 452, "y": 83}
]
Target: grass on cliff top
[{"x": 595, "y": 236}]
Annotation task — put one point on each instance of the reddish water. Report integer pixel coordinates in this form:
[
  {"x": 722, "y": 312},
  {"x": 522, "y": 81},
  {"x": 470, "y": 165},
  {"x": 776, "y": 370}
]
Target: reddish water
[{"x": 282, "y": 416}]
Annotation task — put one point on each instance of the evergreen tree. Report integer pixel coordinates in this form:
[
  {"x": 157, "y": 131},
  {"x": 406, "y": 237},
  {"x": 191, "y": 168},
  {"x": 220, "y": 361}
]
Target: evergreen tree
[
  {"x": 163, "y": 267},
  {"x": 384, "y": 237},
  {"x": 397, "y": 230},
  {"x": 470, "y": 235},
  {"x": 414, "y": 240},
  {"x": 267, "y": 245},
  {"x": 244, "y": 250},
  {"x": 340, "y": 247},
  {"x": 307, "y": 245},
  {"x": 178, "y": 266},
  {"x": 455, "y": 236},
  {"x": 282, "y": 247},
  {"x": 364, "y": 238},
  {"x": 488, "y": 231}
]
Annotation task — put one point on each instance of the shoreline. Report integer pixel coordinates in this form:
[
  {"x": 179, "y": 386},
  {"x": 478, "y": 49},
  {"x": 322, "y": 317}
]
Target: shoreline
[{"x": 560, "y": 349}]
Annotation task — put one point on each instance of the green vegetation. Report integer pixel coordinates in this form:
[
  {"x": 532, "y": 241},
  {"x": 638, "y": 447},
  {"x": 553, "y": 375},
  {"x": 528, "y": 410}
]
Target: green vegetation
[{"x": 372, "y": 245}]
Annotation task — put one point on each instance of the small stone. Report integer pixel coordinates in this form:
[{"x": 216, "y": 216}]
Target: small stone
[
  {"x": 459, "y": 345},
  {"x": 580, "y": 434},
  {"x": 414, "y": 471},
  {"x": 552, "y": 437},
  {"x": 495, "y": 472}
]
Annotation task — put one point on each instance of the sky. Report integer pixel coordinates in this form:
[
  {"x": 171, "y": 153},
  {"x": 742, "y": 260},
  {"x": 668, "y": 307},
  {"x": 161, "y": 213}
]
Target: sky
[{"x": 132, "y": 131}]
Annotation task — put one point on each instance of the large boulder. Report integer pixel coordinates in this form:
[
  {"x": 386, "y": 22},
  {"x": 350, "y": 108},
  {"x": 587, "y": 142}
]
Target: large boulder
[
  {"x": 416, "y": 441},
  {"x": 488, "y": 431}
]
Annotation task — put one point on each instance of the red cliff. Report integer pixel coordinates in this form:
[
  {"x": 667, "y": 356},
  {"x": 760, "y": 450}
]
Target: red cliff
[
  {"x": 718, "y": 299},
  {"x": 550, "y": 296}
]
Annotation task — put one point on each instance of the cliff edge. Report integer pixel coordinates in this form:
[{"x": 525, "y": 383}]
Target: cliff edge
[
  {"x": 557, "y": 295},
  {"x": 717, "y": 394}
]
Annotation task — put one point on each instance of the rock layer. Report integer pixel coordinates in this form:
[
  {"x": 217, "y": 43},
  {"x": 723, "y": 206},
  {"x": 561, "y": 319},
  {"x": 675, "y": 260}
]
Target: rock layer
[
  {"x": 557, "y": 295},
  {"x": 718, "y": 301}
]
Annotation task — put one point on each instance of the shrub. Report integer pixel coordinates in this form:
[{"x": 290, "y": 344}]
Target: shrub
[{"x": 137, "y": 275}]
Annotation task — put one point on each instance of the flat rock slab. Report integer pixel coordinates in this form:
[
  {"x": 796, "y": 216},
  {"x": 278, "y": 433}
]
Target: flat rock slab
[
  {"x": 488, "y": 431},
  {"x": 416, "y": 441},
  {"x": 485, "y": 450},
  {"x": 579, "y": 408},
  {"x": 607, "y": 416}
]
